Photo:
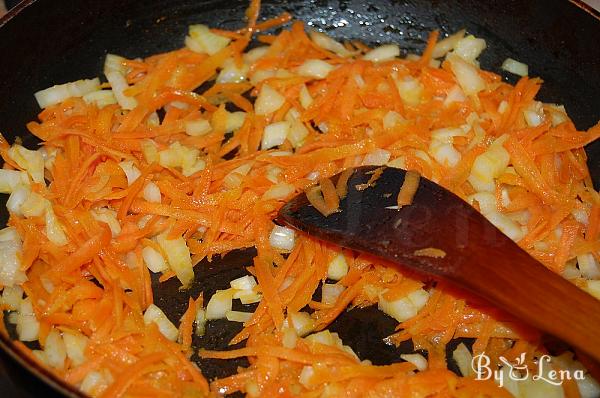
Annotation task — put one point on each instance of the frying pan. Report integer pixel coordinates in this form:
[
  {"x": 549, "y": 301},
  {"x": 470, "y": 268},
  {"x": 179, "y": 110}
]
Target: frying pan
[{"x": 46, "y": 42}]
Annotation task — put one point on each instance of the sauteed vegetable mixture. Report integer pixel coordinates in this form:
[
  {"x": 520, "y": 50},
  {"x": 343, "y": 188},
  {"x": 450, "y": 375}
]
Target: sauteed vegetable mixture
[{"x": 189, "y": 154}]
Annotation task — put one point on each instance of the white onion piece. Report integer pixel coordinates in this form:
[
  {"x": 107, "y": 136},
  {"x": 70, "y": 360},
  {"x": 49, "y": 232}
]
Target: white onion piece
[
  {"x": 131, "y": 171},
  {"x": 275, "y": 134},
  {"x": 30, "y": 161},
  {"x": 119, "y": 84},
  {"x": 17, "y": 198},
  {"x": 515, "y": 67},
  {"x": 416, "y": 359},
  {"x": 268, "y": 101},
  {"x": 201, "y": 40},
  {"x": 305, "y": 97},
  {"x": 443, "y": 46},
  {"x": 469, "y": 48},
  {"x": 28, "y": 326},
  {"x": 11, "y": 297},
  {"x": 178, "y": 256},
  {"x": 197, "y": 127},
  {"x": 151, "y": 192},
  {"x": 100, "y": 98},
  {"x": 282, "y": 238},
  {"x": 246, "y": 282},
  {"x": 10, "y": 179},
  {"x": 108, "y": 216},
  {"x": 154, "y": 314},
  {"x": 315, "y": 68},
  {"x": 219, "y": 304},
  {"x": 238, "y": 316},
  {"x": 404, "y": 308},
  {"x": 466, "y": 75},
  {"x": 337, "y": 268},
  {"x": 75, "y": 344},
  {"x": 326, "y": 42},
  {"x": 330, "y": 293},
  {"x": 301, "y": 321},
  {"x": 154, "y": 260},
  {"x": 279, "y": 191},
  {"x": 57, "y": 94},
  {"x": 383, "y": 53},
  {"x": 54, "y": 347}
]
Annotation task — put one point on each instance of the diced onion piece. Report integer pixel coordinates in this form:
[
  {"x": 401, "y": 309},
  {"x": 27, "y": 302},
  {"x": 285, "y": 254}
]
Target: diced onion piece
[
  {"x": 100, "y": 98},
  {"x": 297, "y": 133},
  {"x": 410, "y": 90},
  {"x": 247, "y": 296},
  {"x": 454, "y": 95},
  {"x": 466, "y": 75},
  {"x": 463, "y": 358},
  {"x": 197, "y": 127},
  {"x": 235, "y": 120},
  {"x": 469, "y": 48},
  {"x": 10, "y": 258},
  {"x": 200, "y": 321},
  {"x": 515, "y": 67},
  {"x": 593, "y": 288},
  {"x": 235, "y": 177},
  {"x": 399, "y": 163},
  {"x": 131, "y": 171},
  {"x": 154, "y": 260},
  {"x": 404, "y": 308},
  {"x": 30, "y": 161},
  {"x": 108, "y": 216},
  {"x": 151, "y": 192},
  {"x": 255, "y": 54},
  {"x": 232, "y": 73},
  {"x": 17, "y": 198},
  {"x": 149, "y": 150},
  {"x": 383, "y": 53},
  {"x": 534, "y": 117},
  {"x": 275, "y": 134},
  {"x": 75, "y": 344},
  {"x": 306, "y": 375},
  {"x": 11, "y": 297},
  {"x": 315, "y": 68},
  {"x": 94, "y": 383},
  {"x": 268, "y": 101},
  {"x": 155, "y": 315},
  {"x": 201, "y": 40},
  {"x": 443, "y": 46},
  {"x": 28, "y": 326},
  {"x": 416, "y": 359},
  {"x": 444, "y": 153},
  {"x": 326, "y": 42},
  {"x": 485, "y": 200},
  {"x": 289, "y": 338},
  {"x": 558, "y": 114},
  {"x": 55, "y": 349},
  {"x": 57, "y": 94},
  {"x": 282, "y": 238},
  {"x": 337, "y": 268},
  {"x": 114, "y": 63},
  {"x": 392, "y": 119},
  {"x": 302, "y": 323},
  {"x": 588, "y": 266},
  {"x": 118, "y": 83},
  {"x": 178, "y": 256},
  {"x": 330, "y": 293},
  {"x": 219, "y": 304},
  {"x": 378, "y": 157},
  {"x": 305, "y": 97},
  {"x": 238, "y": 316},
  {"x": 54, "y": 230},
  {"x": 260, "y": 75},
  {"x": 489, "y": 165},
  {"x": 10, "y": 179},
  {"x": 279, "y": 191},
  {"x": 246, "y": 282},
  {"x": 506, "y": 225}
]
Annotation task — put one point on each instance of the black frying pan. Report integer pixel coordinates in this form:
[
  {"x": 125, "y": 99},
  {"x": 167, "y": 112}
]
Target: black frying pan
[{"x": 47, "y": 42}]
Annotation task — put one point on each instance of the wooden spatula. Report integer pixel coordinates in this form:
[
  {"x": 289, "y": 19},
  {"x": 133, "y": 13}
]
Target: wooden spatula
[{"x": 478, "y": 257}]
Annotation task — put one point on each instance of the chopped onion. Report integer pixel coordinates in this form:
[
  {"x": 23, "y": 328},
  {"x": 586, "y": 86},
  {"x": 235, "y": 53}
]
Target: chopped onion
[
  {"x": 305, "y": 375},
  {"x": 305, "y": 97},
  {"x": 244, "y": 283},
  {"x": 151, "y": 192},
  {"x": 236, "y": 176},
  {"x": 27, "y": 325},
  {"x": 326, "y": 42},
  {"x": 466, "y": 75},
  {"x": 392, "y": 119},
  {"x": 201, "y": 40},
  {"x": 197, "y": 127},
  {"x": 155, "y": 315},
  {"x": 337, "y": 268},
  {"x": 75, "y": 344},
  {"x": 232, "y": 73},
  {"x": 443, "y": 46},
  {"x": 247, "y": 296},
  {"x": 235, "y": 120},
  {"x": 17, "y": 198},
  {"x": 114, "y": 63},
  {"x": 219, "y": 304},
  {"x": 315, "y": 68},
  {"x": 416, "y": 359},
  {"x": 279, "y": 191},
  {"x": 289, "y": 338},
  {"x": 378, "y": 157},
  {"x": 255, "y": 54},
  {"x": 131, "y": 171},
  {"x": 154, "y": 260},
  {"x": 410, "y": 90},
  {"x": 404, "y": 308},
  {"x": 100, "y": 98},
  {"x": 297, "y": 133},
  {"x": 108, "y": 216},
  {"x": 489, "y": 165},
  {"x": 238, "y": 316},
  {"x": 275, "y": 134},
  {"x": 302, "y": 323},
  {"x": 54, "y": 230},
  {"x": 282, "y": 238},
  {"x": 200, "y": 321},
  {"x": 118, "y": 83},
  {"x": 11, "y": 297},
  {"x": 444, "y": 153},
  {"x": 268, "y": 101},
  {"x": 454, "y": 95},
  {"x": 330, "y": 293},
  {"x": 10, "y": 259},
  {"x": 55, "y": 349},
  {"x": 383, "y": 53},
  {"x": 57, "y": 94},
  {"x": 469, "y": 48},
  {"x": 94, "y": 383},
  {"x": 463, "y": 358},
  {"x": 10, "y": 179},
  {"x": 149, "y": 150},
  {"x": 178, "y": 256},
  {"x": 515, "y": 67},
  {"x": 30, "y": 161},
  {"x": 588, "y": 266}
]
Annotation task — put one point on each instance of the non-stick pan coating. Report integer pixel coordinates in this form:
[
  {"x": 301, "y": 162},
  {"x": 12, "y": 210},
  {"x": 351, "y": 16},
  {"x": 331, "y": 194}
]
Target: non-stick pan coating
[{"x": 56, "y": 41}]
